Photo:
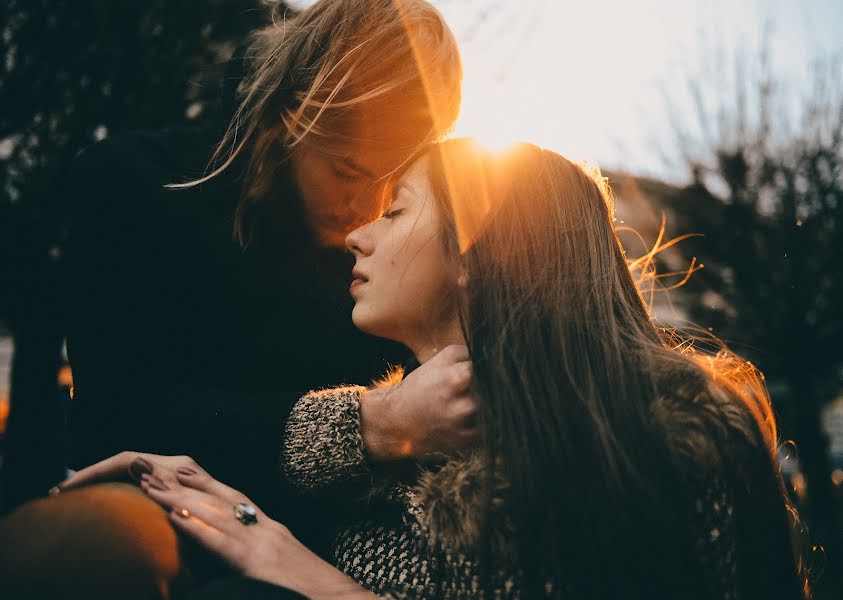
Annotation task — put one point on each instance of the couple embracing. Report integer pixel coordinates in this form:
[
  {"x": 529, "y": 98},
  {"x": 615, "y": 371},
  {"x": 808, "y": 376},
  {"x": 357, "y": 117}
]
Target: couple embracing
[{"x": 543, "y": 438}]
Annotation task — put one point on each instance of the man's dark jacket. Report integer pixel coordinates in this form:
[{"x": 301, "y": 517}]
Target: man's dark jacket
[{"x": 180, "y": 340}]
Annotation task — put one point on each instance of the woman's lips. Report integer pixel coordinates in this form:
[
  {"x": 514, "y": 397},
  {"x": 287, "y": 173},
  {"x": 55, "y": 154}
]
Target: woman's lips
[{"x": 359, "y": 278}]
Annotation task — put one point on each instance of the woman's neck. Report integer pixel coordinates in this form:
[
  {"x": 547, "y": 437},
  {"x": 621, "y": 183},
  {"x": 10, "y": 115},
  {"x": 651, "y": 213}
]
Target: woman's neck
[{"x": 430, "y": 343}]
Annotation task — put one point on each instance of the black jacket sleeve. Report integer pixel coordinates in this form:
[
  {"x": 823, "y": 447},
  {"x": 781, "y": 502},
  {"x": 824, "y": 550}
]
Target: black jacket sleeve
[{"x": 125, "y": 299}]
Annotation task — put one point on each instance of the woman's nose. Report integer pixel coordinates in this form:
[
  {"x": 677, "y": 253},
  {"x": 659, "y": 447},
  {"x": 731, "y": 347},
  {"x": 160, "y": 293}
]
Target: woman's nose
[{"x": 356, "y": 242}]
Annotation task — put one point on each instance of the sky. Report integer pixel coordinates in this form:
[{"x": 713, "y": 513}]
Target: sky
[{"x": 601, "y": 80}]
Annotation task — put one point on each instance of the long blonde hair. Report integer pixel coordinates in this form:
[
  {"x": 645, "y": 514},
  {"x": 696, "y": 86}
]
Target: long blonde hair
[{"x": 314, "y": 76}]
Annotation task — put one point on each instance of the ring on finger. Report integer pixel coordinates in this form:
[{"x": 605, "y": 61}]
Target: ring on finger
[{"x": 245, "y": 513}]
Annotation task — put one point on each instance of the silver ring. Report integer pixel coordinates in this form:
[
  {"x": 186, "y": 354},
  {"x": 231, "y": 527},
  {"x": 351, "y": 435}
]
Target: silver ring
[{"x": 245, "y": 513}]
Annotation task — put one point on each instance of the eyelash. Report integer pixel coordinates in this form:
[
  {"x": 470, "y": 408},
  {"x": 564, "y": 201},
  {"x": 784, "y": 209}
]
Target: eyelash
[{"x": 392, "y": 213}]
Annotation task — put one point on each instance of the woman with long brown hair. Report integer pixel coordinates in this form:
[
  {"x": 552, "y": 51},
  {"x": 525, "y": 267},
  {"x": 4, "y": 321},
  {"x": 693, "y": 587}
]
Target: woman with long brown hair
[{"x": 616, "y": 462}]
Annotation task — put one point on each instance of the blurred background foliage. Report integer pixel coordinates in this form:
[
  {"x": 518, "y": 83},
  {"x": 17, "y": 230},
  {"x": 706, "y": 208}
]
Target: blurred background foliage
[
  {"x": 768, "y": 198},
  {"x": 74, "y": 73}
]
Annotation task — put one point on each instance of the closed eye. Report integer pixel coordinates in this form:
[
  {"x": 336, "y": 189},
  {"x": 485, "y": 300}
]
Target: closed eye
[
  {"x": 344, "y": 170},
  {"x": 345, "y": 174},
  {"x": 392, "y": 212}
]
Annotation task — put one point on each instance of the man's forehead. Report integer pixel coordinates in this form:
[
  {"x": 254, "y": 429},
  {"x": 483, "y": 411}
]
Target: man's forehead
[
  {"x": 377, "y": 147},
  {"x": 374, "y": 160}
]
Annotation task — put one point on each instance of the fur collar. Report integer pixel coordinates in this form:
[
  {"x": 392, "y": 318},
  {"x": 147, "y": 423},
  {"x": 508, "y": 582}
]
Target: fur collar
[{"x": 451, "y": 506}]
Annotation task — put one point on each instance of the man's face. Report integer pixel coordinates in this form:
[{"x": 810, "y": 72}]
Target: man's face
[{"x": 339, "y": 186}]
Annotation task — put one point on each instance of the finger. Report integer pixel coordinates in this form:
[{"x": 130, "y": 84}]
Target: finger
[
  {"x": 168, "y": 467},
  {"x": 163, "y": 473},
  {"x": 215, "y": 540},
  {"x": 202, "y": 481},
  {"x": 455, "y": 353},
  {"x": 110, "y": 469},
  {"x": 464, "y": 406},
  {"x": 460, "y": 377},
  {"x": 470, "y": 434},
  {"x": 212, "y": 510}
]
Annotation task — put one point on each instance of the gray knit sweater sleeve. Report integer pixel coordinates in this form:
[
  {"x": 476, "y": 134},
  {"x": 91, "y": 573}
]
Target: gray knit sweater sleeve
[{"x": 323, "y": 446}]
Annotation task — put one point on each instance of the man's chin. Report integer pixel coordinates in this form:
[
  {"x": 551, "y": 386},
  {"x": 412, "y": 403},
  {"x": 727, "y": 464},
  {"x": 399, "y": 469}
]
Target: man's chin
[{"x": 332, "y": 238}]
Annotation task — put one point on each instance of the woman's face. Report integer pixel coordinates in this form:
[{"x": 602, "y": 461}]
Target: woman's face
[{"x": 404, "y": 282}]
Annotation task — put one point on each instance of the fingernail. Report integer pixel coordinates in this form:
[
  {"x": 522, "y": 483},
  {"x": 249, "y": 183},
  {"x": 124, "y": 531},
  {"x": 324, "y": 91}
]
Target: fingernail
[
  {"x": 187, "y": 471},
  {"x": 155, "y": 483},
  {"x": 183, "y": 513},
  {"x": 139, "y": 468},
  {"x": 54, "y": 490}
]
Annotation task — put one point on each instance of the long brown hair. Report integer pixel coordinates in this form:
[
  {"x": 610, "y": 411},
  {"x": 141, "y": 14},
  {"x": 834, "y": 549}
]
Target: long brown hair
[
  {"x": 316, "y": 75},
  {"x": 607, "y": 428}
]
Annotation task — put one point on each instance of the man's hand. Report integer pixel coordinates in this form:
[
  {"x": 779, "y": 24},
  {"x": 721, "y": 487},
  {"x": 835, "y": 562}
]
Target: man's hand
[{"x": 429, "y": 415}]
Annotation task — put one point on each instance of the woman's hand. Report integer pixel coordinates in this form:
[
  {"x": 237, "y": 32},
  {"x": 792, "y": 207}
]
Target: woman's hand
[
  {"x": 128, "y": 466},
  {"x": 204, "y": 509},
  {"x": 428, "y": 415}
]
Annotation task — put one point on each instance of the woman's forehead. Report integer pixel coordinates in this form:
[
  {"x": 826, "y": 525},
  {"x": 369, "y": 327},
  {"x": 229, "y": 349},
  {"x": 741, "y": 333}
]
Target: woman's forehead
[{"x": 415, "y": 178}]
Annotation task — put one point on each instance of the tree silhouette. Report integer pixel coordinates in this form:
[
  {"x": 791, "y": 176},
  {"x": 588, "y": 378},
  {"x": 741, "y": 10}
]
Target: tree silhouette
[
  {"x": 768, "y": 200},
  {"x": 74, "y": 73}
]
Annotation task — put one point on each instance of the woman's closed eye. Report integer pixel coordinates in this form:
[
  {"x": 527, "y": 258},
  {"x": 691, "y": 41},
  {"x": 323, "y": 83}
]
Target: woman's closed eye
[{"x": 391, "y": 213}]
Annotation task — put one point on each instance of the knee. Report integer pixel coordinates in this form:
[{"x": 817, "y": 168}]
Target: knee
[{"x": 107, "y": 540}]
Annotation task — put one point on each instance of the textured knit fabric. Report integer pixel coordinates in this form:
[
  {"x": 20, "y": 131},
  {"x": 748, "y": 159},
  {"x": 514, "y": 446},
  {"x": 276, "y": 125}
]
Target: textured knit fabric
[
  {"x": 323, "y": 445},
  {"x": 404, "y": 542}
]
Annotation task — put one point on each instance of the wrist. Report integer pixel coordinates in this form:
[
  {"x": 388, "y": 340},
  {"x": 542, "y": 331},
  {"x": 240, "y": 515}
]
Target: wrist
[
  {"x": 377, "y": 424},
  {"x": 324, "y": 582},
  {"x": 313, "y": 578}
]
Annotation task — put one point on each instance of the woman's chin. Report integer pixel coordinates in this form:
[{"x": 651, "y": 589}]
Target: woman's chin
[
  {"x": 363, "y": 321},
  {"x": 369, "y": 323}
]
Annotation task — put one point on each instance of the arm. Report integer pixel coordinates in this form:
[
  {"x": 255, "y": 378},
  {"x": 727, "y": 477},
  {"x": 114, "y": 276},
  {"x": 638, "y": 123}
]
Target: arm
[
  {"x": 333, "y": 436},
  {"x": 202, "y": 507},
  {"x": 322, "y": 444}
]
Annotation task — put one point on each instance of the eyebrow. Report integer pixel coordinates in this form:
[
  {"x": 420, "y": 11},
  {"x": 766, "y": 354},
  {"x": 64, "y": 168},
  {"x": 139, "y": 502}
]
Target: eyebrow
[{"x": 405, "y": 186}]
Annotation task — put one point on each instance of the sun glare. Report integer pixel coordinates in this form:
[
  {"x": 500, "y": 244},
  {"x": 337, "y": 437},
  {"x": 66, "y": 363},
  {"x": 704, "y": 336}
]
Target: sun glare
[{"x": 488, "y": 132}]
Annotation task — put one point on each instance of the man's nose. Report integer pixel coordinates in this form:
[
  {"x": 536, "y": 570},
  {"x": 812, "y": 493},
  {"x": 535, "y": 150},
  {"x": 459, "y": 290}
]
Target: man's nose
[{"x": 365, "y": 198}]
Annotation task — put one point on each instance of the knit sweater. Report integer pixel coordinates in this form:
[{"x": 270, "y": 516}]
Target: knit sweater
[{"x": 420, "y": 539}]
